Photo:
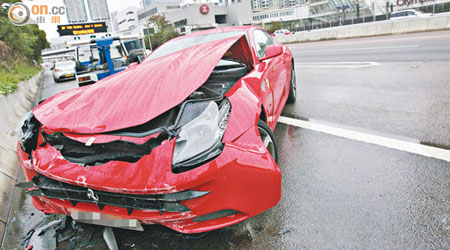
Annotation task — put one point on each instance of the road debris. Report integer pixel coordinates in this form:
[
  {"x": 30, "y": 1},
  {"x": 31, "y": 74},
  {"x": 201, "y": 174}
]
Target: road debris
[
  {"x": 285, "y": 230},
  {"x": 110, "y": 239}
]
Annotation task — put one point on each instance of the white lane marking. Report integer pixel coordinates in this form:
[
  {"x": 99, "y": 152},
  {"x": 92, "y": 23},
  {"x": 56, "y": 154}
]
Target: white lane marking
[
  {"x": 398, "y": 39},
  {"x": 406, "y": 146},
  {"x": 357, "y": 49},
  {"x": 336, "y": 64}
]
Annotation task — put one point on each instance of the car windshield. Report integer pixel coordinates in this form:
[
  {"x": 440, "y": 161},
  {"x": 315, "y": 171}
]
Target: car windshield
[{"x": 184, "y": 43}]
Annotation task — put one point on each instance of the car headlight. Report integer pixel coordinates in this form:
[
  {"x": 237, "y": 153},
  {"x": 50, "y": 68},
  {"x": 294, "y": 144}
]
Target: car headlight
[
  {"x": 200, "y": 140},
  {"x": 27, "y": 130},
  {"x": 18, "y": 129}
]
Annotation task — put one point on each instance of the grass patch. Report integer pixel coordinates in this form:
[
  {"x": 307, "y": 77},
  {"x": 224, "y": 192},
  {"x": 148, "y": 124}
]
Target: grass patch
[{"x": 9, "y": 79}]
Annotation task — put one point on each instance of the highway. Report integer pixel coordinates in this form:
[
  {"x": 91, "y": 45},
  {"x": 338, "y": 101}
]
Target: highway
[{"x": 349, "y": 177}]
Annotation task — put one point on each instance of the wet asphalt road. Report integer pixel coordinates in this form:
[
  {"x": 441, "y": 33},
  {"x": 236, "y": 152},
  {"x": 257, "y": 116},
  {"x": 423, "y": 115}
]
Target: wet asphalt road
[{"x": 339, "y": 193}]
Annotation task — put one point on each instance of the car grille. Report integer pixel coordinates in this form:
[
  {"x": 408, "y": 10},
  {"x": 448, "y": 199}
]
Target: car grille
[{"x": 50, "y": 188}]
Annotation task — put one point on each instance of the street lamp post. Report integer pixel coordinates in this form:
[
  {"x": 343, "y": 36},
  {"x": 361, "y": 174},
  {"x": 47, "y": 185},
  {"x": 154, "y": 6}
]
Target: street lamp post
[{"x": 373, "y": 11}]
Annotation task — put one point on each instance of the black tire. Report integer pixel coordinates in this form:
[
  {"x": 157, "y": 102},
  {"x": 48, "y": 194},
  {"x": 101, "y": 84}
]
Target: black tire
[
  {"x": 266, "y": 132},
  {"x": 293, "y": 86}
]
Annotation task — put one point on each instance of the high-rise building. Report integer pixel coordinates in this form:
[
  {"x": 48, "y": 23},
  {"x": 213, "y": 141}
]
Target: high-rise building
[
  {"x": 115, "y": 21},
  {"x": 83, "y": 11},
  {"x": 264, "y": 4},
  {"x": 98, "y": 9},
  {"x": 146, "y": 3},
  {"x": 127, "y": 19},
  {"x": 76, "y": 11}
]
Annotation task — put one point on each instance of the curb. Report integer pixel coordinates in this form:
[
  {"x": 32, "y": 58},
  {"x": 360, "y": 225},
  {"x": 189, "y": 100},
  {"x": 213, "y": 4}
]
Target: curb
[{"x": 13, "y": 107}]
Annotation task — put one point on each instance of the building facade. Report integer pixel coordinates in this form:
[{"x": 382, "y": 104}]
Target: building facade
[
  {"x": 98, "y": 10},
  {"x": 323, "y": 12},
  {"x": 83, "y": 11},
  {"x": 76, "y": 11},
  {"x": 188, "y": 16},
  {"x": 127, "y": 19}
]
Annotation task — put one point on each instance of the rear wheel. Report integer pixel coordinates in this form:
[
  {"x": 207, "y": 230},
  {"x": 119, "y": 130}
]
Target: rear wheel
[
  {"x": 293, "y": 86},
  {"x": 268, "y": 139}
]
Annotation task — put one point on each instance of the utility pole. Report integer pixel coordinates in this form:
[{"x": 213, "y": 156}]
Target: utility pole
[
  {"x": 343, "y": 13},
  {"x": 373, "y": 11},
  {"x": 387, "y": 10},
  {"x": 357, "y": 10}
]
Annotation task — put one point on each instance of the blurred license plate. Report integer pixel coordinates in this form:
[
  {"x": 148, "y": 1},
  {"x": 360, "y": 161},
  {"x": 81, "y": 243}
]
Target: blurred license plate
[
  {"x": 69, "y": 75},
  {"x": 106, "y": 220}
]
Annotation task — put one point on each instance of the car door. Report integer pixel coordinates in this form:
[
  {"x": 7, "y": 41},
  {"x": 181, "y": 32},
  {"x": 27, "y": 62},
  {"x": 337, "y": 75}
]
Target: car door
[
  {"x": 260, "y": 42},
  {"x": 275, "y": 75}
]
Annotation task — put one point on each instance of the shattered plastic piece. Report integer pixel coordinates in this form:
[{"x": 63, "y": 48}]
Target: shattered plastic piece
[
  {"x": 285, "y": 230},
  {"x": 44, "y": 234},
  {"x": 90, "y": 141},
  {"x": 110, "y": 239}
]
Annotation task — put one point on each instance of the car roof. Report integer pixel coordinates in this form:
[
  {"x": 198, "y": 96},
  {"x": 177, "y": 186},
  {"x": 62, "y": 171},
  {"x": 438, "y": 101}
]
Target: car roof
[
  {"x": 398, "y": 11},
  {"x": 64, "y": 62}
]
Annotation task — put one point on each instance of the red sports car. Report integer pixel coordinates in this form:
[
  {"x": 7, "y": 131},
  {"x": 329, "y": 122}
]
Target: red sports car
[{"x": 183, "y": 139}]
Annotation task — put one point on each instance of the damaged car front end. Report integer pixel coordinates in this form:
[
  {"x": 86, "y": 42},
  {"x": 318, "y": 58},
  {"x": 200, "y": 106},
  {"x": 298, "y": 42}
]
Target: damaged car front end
[{"x": 187, "y": 156}]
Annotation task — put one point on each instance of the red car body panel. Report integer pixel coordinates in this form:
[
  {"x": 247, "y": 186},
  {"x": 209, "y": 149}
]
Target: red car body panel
[
  {"x": 123, "y": 101},
  {"x": 244, "y": 177}
]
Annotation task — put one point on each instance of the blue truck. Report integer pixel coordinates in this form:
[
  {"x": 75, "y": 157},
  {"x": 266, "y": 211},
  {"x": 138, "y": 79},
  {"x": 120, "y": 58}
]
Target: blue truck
[{"x": 102, "y": 57}]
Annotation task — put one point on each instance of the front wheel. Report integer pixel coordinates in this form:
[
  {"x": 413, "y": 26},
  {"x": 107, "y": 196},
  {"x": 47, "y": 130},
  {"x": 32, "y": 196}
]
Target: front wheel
[
  {"x": 293, "y": 86},
  {"x": 268, "y": 139}
]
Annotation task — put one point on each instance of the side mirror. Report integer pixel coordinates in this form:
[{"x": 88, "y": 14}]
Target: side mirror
[{"x": 272, "y": 51}]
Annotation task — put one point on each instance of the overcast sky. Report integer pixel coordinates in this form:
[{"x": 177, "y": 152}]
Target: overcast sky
[{"x": 50, "y": 29}]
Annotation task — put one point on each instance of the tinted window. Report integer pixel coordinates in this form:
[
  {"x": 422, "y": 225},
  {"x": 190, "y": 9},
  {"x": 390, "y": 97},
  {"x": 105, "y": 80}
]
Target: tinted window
[
  {"x": 262, "y": 40},
  {"x": 184, "y": 43}
]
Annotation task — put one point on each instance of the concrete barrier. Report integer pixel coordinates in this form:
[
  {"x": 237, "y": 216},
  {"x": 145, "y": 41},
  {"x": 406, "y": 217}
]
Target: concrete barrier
[
  {"x": 356, "y": 30},
  {"x": 384, "y": 28},
  {"x": 305, "y": 36},
  {"x": 344, "y": 32},
  {"x": 13, "y": 107},
  {"x": 369, "y": 29},
  {"x": 317, "y": 35},
  {"x": 417, "y": 25},
  {"x": 439, "y": 22},
  {"x": 400, "y": 26},
  {"x": 332, "y": 33}
]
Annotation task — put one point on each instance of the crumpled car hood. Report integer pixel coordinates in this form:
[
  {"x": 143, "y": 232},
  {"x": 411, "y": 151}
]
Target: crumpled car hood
[{"x": 135, "y": 96}]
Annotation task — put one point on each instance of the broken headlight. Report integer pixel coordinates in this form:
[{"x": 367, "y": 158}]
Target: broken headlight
[
  {"x": 28, "y": 130},
  {"x": 200, "y": 140}
]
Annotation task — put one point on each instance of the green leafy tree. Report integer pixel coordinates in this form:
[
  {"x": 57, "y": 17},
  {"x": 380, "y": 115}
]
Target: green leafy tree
[
  {"x": 19, "y": 46},
  {"x": 274, "y": 26},
  {"x": 164, "y": 31}
]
